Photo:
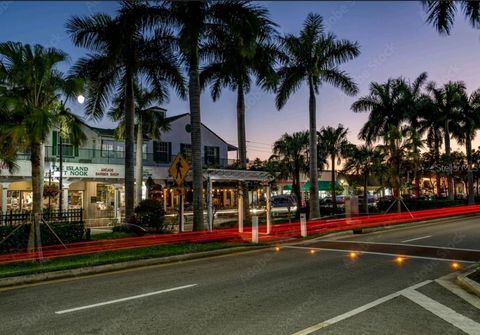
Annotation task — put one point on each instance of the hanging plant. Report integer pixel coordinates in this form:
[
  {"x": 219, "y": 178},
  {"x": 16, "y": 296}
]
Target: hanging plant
[{"x": 50, "y": 190}]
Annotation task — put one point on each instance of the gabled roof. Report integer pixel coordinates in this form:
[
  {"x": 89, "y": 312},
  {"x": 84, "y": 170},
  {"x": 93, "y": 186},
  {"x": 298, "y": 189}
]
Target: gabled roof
[
  {"x": 103, "y": 131},
  {"x": 230, "y": 147}
]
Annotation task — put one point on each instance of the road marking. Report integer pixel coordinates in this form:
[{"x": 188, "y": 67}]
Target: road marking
[
  {"x": 400, "y": 244},
  {"x": 124, "y": 299},
  {"x": 358, "y": 310},
  {"x": 458, "y": 320},
  {"x": 447, "y": 284},
  {"x": 416, "y": 239},
  {"x": 378, "y": 253}
]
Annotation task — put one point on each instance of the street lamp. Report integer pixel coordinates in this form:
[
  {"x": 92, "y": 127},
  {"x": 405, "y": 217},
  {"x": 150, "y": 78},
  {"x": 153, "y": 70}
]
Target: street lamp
[{"x": 80, "y": 100}]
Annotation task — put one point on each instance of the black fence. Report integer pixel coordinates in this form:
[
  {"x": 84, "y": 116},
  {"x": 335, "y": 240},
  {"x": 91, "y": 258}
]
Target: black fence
[
  {"x": 13, "y": 218},
  {"x": 15, "y": 228}
]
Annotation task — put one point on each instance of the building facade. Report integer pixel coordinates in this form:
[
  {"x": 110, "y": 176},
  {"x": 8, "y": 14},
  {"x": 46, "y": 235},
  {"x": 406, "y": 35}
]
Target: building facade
[{"x": 93, "y": 173}]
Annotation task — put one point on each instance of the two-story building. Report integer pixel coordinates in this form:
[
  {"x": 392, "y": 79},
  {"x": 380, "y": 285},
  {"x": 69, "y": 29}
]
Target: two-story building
[{"x": 93, "y": 174}]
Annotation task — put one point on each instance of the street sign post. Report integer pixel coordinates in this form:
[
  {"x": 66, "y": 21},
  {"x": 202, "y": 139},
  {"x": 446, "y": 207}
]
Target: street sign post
[{"x": 178, "y": 170}]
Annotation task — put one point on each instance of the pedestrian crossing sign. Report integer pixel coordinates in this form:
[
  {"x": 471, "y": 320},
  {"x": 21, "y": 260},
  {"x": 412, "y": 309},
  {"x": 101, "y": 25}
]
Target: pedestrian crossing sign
[{"x": 179, "y": 169}]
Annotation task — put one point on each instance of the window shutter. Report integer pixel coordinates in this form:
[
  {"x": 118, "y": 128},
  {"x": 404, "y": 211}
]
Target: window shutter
[
  {"x": 54, "y": 142},
  {"x": 75, "y": 151},
  {"x": 169, "y": 158},
  {"x": 156, "y": 158}
]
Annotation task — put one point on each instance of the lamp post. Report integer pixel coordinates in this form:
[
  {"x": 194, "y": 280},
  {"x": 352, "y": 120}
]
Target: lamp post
[{"x": 80, "y": 100}]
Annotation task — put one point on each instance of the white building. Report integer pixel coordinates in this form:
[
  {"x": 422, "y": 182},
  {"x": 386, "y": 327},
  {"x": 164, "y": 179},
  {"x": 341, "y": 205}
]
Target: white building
[{"x": 93, "y": 174}]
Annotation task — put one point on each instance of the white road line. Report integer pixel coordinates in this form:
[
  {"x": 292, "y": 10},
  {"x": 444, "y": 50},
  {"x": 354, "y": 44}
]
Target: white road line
[
  {"x": 378, "y": 253},
  {"x": 416, "y": 239},
  {"x": 410, "y": 245},
  {"x": 358, "y": 310},
  {"x": 124, "y": 299},
  {"x": 458, "y": 320},
  {"x": 470, "y": 298}
]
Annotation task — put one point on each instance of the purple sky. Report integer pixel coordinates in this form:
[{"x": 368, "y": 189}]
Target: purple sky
[{"x": 394, "y": 40}]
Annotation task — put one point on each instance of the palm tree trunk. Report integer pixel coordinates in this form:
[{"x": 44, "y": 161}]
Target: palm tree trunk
[
  {"x": 37, "y": 159},
  {"x": 129, "y": 143},
  {"x": 314, "y": 203},
  {"x": 334, "y": 196},
  {"x": 468, "y": 149},
  {"x": 242, "y": 148},
  {"x": 196, "y": 139},
  {"x": 451, "y": 196},
  {"x": 437, "y": 159},
  {"x": 139, "y": 163},
  {"x": 365, "y": 192}
]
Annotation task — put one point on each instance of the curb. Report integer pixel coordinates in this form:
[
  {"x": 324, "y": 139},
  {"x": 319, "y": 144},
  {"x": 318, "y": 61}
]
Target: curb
[
  {"x": 11, "y": 282},
  {"x": 467, "y": 283}
]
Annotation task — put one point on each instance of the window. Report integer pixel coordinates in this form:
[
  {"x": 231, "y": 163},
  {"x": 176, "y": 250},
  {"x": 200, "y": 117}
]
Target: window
[
  {"x": 107, "y": 148},
  {"x": 68, "y": 149},
  {"x": 212, "y": 156},
  {"x": 162, "y": 151},
  {"x": 186, "y": 151},
  {"x": 112, "y": 149}
]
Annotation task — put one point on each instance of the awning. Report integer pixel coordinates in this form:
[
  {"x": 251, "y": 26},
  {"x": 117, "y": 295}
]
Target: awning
[
  {"x": 287, "y": 187},
  {"x": 323, "y": 185}
]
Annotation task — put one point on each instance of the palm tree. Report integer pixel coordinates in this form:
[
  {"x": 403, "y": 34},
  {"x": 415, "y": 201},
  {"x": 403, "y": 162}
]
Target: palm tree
[
  {"x": 245, "y": 51},
  {"x": 334, "y": 142},
  {"x": 363, "y": 160},
  {"x": 447, "y": 101},
  {"x": 123, "y": 51},
  {"x": 386, "y": 105},
  {"x": 291, "y": 151},
  {"x": 198, "y": 24},
  {"x": 464, "y": 130},
  {"x": 441, "y": 14},
  {"x": 31, "y": 87},
  {"x": 432, "y": 126},
  {"x": 415, "y": 103},
  {"x": 150, "y": 121},
  {"x": 314, "y": 57}
]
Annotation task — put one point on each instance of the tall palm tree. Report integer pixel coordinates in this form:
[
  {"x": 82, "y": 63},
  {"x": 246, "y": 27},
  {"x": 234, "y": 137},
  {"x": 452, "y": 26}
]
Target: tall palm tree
[
  {"x": 149, "y": 120},
  {"x": 432, "y": 126},
  {"x": 124, "y": 51},
  {"x": 31, "y": 87},
  {"x": 441, "y": 14},
  {"x": 363, "y": 160},
  {"x": 447, "y": 102},
  {"x": 291, "y": 151},
  {"x": 387, "y": 115},
  {"x": 414, "y": 104},
  {"x": 464, "y": 131},
  {"x": 198, "y": 23},
  {"x": 314, "y": 57},
  {"x": 245, "y": 51},
  {"x": 334, "y": 142}
]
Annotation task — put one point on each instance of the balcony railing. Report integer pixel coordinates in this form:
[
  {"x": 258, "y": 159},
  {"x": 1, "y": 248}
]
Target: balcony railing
[{"x": 98, "y": 156}]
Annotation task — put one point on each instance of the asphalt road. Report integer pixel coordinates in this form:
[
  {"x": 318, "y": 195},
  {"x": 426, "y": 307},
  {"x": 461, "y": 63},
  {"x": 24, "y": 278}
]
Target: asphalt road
[{"x": 301, "y": 289}]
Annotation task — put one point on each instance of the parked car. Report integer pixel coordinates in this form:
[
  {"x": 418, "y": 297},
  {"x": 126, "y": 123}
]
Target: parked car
[{"x": 283, "y": 204}]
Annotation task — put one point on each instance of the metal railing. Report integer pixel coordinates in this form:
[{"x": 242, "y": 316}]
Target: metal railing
[
  {"x": 14, "y": 217},
  {"x": 99, "y": 156}
]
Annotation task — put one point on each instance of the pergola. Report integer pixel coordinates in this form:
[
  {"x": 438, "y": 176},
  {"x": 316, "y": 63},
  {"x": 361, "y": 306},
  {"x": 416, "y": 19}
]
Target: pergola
[{"x": 212, "y": 175}]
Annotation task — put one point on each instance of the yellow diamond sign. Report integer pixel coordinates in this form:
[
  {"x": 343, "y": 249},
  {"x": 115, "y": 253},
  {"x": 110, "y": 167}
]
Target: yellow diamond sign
[{"x": 179, "y": 169}]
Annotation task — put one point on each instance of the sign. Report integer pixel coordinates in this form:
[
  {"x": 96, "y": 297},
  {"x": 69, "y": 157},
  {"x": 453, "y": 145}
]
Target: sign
[{"x": 179, "y": 169}]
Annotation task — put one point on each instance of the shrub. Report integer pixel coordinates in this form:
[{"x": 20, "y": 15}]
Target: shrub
[{"x": 150, "y": 215}]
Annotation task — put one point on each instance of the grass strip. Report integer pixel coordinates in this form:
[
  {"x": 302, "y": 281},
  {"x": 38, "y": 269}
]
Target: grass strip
[{"x": 109, "y": 257}]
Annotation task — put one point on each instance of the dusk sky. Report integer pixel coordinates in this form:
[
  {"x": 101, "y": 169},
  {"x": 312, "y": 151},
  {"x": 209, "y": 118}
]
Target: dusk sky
[{"x": 394, "y": 39}]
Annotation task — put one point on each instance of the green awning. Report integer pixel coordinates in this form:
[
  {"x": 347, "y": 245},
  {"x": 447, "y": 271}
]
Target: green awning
[
  {"x": 287, "y": 187},
  {"x": 323, "y": 185}
]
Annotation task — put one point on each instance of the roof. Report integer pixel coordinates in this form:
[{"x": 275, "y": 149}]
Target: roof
[
  {"x": 230, "y": 147},
  {"x": 103, "y": 131}
]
